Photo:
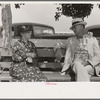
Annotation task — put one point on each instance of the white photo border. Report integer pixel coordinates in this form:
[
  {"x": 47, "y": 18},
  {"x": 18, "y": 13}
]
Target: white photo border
[{"x": 62, "y": 90}]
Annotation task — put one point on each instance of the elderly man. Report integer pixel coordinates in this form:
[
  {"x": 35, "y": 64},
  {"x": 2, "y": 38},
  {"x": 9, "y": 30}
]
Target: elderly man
[{"x": 82, "y": 54}]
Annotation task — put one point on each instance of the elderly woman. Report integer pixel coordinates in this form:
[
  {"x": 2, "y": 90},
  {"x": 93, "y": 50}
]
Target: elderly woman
[{"x": 24, "y": 67}]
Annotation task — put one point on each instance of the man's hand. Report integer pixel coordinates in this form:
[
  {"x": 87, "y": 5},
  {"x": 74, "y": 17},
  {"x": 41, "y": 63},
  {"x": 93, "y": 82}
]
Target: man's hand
[
  {"x": 86, "y": 63},
  {"x": 63, "y": 73}
]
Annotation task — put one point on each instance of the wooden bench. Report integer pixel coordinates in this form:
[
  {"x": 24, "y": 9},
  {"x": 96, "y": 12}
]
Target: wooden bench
[{"x": 46, "y": 58}]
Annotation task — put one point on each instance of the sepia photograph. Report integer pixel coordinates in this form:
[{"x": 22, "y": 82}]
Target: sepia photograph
[{"x": 50, "y": 43}]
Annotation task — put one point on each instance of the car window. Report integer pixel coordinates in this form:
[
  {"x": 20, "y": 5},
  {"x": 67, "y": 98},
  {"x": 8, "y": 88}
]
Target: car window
[
  {"x": 42, "y": 30},
  {"x": 96, "y": 32}
]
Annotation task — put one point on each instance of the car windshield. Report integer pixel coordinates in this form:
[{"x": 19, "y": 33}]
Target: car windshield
[{"x": 42, "y": 30}]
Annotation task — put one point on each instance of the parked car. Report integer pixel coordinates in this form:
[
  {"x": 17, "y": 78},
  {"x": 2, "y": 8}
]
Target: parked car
[{"x": 39, "y": 31}]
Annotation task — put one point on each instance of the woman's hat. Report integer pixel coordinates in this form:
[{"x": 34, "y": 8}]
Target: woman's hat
[
  {"x": 25, "y": 28},
  {"x": 77, "y": 21}
]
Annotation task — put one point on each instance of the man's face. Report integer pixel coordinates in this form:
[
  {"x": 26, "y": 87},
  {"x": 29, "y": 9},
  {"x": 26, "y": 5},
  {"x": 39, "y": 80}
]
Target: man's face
[{"x": 78, "y": 30}]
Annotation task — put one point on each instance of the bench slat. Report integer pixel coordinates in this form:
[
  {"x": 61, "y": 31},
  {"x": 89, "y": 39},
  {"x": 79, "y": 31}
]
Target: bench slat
[
  {"x": 40, "y": 42},
  {"x": 41, "y": 65},
  {"x": 5, "y": 76},
  {"x": 46, "y": 52},
  {"x": 40, "y": 52},
  {"x": 51, "y": 76}
]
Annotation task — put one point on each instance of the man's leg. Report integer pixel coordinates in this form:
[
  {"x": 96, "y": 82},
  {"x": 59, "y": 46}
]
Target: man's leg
[
  {"x": 90, "y": 70},
  {"x": 80, "y": 71}
]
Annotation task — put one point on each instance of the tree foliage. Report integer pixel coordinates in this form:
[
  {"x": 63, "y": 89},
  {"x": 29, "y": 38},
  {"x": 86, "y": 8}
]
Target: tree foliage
[
  {"x": 17, "y": 6},
  {"x": 74, "y": 10}
]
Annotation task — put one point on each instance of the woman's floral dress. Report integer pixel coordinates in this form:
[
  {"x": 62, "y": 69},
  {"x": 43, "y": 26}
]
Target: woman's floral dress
[{"x": 21, "y": 70}]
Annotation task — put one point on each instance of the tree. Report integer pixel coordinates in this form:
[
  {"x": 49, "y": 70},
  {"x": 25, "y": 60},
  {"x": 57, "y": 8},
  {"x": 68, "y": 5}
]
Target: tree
[
  {"x": 7, "y": 24},
  {"x": 74, "y": 10}
]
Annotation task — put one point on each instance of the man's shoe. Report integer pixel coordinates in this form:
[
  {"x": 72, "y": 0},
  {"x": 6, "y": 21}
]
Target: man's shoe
[{"x": 62, "y": 73}]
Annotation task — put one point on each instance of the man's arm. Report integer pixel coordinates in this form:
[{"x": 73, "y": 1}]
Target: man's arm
[
  {"x": 68, "y": 58},
  {"x": 95, "y": 60},
  {"x": 59, "y": 54},
  {"x": 68, "y": 55},
  {"x": 67, "y": 61}
]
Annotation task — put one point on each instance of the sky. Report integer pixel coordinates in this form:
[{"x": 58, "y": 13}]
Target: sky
[{"x": 44, "y": 13}]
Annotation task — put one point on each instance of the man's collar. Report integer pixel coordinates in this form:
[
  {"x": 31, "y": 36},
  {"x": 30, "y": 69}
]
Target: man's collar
[{"x": 88, "y": 35}]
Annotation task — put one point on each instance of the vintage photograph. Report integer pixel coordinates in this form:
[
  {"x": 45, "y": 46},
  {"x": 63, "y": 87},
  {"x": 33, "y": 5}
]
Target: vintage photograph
[{"x": 49, "y": 42}]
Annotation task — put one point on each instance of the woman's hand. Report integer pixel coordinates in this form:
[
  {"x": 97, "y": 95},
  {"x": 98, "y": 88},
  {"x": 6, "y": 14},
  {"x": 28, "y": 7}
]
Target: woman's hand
[
  {"x": 31, "y": 55},
  {"x": 29, "y": 59}
]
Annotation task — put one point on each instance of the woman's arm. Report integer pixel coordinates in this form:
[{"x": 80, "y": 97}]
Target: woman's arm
[
  {"x": 32, "y": 52},
  {"x": 17, "y": 53}
]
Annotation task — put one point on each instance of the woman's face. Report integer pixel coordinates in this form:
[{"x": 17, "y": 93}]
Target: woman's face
[
  {"x": 27, "y": 35},
  {"x": 78, "y": 30}
]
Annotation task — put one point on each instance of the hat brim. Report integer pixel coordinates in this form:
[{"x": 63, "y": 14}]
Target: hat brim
[{"x": 81, "y": 23}]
